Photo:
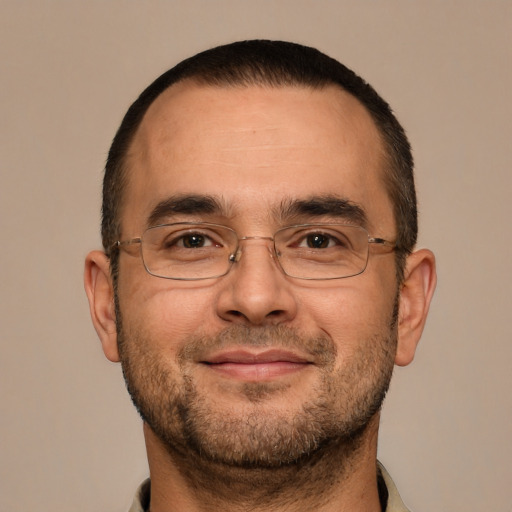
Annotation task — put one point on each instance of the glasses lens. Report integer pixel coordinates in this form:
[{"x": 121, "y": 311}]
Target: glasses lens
[
  {"x": 188, "y": 251},
  {"x": 329, "y": 251}
]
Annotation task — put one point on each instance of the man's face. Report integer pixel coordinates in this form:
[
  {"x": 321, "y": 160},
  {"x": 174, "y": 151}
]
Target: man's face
[{"x": 256, "y": 366}]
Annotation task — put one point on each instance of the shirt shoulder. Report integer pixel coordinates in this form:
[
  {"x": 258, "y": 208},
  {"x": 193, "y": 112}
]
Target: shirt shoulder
[
  {"x": 142, "y": 497},
  {"x": 395, "y": 503}
]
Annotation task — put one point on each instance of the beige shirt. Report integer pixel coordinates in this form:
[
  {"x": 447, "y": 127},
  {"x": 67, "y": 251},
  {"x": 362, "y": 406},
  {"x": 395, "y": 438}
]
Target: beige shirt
[{"x": 394, "y": 502}]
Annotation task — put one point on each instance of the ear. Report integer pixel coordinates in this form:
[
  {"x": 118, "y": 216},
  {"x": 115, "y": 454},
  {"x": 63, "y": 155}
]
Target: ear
[
  {"x": 100, "y": 292},
  {"x": 415, "y": 296}
]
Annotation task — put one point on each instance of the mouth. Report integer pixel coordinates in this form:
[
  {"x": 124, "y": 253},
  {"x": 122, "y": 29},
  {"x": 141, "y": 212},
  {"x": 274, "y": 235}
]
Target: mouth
[{"x": 256, "y": 366}]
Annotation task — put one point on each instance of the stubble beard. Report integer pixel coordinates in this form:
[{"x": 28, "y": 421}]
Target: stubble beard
[{"x": 330, "y": 426}]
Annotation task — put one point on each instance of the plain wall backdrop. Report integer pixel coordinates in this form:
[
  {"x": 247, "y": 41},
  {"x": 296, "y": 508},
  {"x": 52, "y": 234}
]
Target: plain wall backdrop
[{"x": 70, "y": 440}]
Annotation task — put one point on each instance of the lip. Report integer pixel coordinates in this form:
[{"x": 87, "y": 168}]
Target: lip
[
  {"x": 256, "y": 366},
  {"x": 248, "y": 357}
]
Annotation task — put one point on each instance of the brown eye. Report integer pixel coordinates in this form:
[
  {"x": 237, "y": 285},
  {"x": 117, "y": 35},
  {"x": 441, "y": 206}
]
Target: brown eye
[
  {"x": 193, "y": 241},
  {"x": 317, "y": 241}
]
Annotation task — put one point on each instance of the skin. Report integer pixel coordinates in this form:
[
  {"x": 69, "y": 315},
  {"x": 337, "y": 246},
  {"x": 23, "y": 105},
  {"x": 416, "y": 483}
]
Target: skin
[{"x": 249, "y": 148}]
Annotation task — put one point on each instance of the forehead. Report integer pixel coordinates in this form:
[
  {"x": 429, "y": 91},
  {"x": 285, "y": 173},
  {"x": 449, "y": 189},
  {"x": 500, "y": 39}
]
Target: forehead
[{"x": 254, "y": 147}]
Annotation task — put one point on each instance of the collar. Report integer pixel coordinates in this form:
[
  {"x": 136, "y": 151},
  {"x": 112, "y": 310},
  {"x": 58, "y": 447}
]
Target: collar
[
  {"x": 386, "y": 486},
  {"x": 394, "y": 502}
]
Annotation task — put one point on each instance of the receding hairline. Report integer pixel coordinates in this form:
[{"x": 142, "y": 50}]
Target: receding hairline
[
  {"x": 270, "y": 64},
  {"x": 190, "y": 83}
]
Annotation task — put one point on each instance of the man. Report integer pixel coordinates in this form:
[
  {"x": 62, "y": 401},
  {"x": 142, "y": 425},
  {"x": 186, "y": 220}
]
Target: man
[{"x": 258, "y": 281}]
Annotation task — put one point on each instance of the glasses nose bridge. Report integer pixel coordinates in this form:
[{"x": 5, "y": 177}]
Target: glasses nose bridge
[
  {"x": 271, "y": 246},
  {"x": 244, "y": 238}
]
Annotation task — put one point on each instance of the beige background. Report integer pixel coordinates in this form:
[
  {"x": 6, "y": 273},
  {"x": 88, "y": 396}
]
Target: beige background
[{"x": 69, "y": 437}]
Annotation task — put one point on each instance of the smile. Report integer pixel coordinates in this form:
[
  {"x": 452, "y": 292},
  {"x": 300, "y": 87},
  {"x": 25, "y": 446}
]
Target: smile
[{"x": 248, "y": 366}]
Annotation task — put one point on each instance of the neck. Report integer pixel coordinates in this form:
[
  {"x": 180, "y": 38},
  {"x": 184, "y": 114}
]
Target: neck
[{"x": 339, "y": 477}]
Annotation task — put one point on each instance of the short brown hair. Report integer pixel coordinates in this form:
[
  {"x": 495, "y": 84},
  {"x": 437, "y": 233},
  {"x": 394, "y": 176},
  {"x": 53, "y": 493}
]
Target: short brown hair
[{"x": 274, "y": 64}]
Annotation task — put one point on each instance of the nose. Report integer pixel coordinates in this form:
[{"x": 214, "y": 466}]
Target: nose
[{"x": 256, "y": 291}]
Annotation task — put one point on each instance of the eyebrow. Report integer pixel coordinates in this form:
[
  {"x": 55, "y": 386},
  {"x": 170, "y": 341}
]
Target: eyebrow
[
  {"x": 323, "y": 206},
  {"x": 289, "y": 210},
  {"x": 186, "y": 205}
]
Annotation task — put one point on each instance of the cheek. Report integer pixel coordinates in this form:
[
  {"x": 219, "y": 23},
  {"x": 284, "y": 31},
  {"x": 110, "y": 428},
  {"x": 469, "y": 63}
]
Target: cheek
[
  {"x": 167, "y": 312},
  {"x": 352, "y": 313}
]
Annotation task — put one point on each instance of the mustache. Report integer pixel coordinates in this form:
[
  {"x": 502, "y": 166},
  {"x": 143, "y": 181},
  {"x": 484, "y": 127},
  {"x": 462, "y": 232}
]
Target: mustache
[{"x": 321, "y": 347}]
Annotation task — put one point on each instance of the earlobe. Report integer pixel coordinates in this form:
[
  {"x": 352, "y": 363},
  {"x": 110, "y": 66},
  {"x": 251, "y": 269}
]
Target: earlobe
[
  {"x": 415, "y": 297},
  {"x": 100, "y": 292}
]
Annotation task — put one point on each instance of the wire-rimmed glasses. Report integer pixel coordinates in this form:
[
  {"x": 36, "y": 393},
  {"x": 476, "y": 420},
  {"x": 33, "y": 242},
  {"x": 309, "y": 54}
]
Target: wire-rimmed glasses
[{"x": 192, "y": 251}]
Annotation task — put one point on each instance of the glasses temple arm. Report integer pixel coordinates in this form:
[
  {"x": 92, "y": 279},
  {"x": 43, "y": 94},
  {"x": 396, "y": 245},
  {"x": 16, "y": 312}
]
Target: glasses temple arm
[{"x": 381, "y": 241}]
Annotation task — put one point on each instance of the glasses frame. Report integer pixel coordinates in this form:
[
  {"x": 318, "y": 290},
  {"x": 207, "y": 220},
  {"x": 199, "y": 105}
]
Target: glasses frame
[{"x": 236, "y": 255}]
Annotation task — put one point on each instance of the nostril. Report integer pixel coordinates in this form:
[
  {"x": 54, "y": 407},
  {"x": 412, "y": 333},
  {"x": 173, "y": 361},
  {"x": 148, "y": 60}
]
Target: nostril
[{"x": 251, "y": 319}]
